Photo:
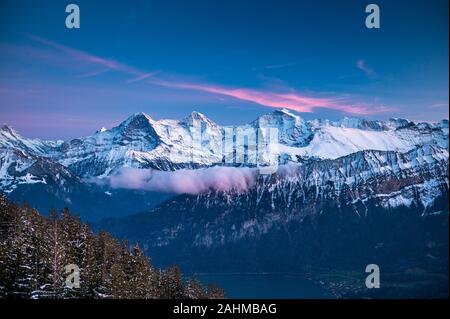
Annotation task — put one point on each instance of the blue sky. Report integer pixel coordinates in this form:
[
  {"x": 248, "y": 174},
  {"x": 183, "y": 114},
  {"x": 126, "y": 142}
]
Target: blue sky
[{"x": 232, "y": 60}]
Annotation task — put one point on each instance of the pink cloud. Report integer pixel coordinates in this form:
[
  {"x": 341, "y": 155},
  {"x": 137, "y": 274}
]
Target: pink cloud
[
  {"x": 292, "y": 100},
  {"x": 183, "y": 181}
]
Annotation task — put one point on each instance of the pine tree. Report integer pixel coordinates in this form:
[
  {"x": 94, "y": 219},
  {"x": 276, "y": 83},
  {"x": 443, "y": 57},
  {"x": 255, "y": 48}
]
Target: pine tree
[
  {"x": 215, "y": 292},
  {"x": 119, "y": 284},
  {"x": 22, "y": 256},
  {"x": 142, "y": 276},
  {"x": 5, "y": 247},
  {"x": 194, "y": 289},
  {"x": 171, "y": 283},
  {"x": 91, "y": 276},
  {"x": 57, "y": 255},
  {"x": 34, "y": 251}
]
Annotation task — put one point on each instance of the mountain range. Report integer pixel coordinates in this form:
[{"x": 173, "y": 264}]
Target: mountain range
[
  {"x": 143, "y": 142},
  {"x": 345, "y": 193},
  {"x": 66, "y": 173}
]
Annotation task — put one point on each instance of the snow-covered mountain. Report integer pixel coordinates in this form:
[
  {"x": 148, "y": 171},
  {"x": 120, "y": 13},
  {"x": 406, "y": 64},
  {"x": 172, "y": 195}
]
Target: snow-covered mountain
[
  {"x": 26, "y": 161},
  {"x": 196, "y": 141},
  {"x": 349, "y": 192},
  {"x": 11, "y": 139},
  {"x": 370, "y": 206},
  {"x": 142, "y": 142},
  {"x": 30, "y": 171},
  {"x": 385, "y": 179}
]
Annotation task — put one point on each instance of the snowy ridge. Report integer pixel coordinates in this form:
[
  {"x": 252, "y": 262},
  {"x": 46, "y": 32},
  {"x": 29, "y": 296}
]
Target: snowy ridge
[
  {"x": 393, "y": 179},
  {"x": 10, "y": 138},
  {"x": 11, "y": 163},
  {"x": 142, "y": 142},
  {"x": 374, "y": 147},
  {"x": 18, "y": 167},
  {"x": 366, "y": 174}
]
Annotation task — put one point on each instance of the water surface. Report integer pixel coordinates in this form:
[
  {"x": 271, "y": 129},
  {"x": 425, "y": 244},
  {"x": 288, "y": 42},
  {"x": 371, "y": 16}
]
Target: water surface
[{"x": 290, "y": 286}]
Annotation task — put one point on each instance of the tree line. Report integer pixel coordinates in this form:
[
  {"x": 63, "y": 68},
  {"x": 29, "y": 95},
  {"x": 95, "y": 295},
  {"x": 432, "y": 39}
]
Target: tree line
[{"x": 35, "y": 251}]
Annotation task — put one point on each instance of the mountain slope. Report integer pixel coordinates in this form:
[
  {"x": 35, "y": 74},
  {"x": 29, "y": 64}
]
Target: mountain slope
[
  {"x": 47, "y": 173},
  {"x": 11, "y": 139},
  {"x": 291, "y": 213}
]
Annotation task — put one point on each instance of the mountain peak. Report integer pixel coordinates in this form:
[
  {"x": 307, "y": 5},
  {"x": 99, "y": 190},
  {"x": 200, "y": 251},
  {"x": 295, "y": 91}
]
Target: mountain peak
[
  {"x": 284, "y": 111},
  {"x": 196, "y": 116},
  {"x": 280, "y": 114},
  {"x": 138, "y": 118},
  {"x": 102, "y": 130},
  {"x": 140, "y": 115},
  {"x": 396, "y": 122},
  {"x": 137, "y": 122},
  {"x": 360, "y": 123},
  {"x": 9, "y": 130},
  {"x": 292, "y": 129},
  {"x": 279, "y": 117}
]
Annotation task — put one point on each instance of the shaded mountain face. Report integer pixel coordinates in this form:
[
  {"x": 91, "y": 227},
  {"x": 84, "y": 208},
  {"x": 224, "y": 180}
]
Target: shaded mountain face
[
  {"x": 109, "y": 149},
  {"x": 57, "y": 173},
  {"x": 293, "y": 130},
  {"x": 378, "y": 207}
]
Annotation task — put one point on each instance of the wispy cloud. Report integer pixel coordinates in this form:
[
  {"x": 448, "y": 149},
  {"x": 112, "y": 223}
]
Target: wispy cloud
[
  {"x": 362, "y": 65},
  {"x": 439, "y": 105},
  {"x": 293, "y": 100},
  {"x": 92, "y": 74},
  {"x": 87, "y": 57},
  {"x": 143, "y": 77}
]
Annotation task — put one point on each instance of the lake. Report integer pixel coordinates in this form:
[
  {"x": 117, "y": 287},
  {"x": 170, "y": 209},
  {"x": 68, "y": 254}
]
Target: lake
[{"x": 241, "y": 285}]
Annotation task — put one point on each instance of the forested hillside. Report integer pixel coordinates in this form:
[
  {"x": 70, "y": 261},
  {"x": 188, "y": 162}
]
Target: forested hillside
[{"x": 35, "y": 251}]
